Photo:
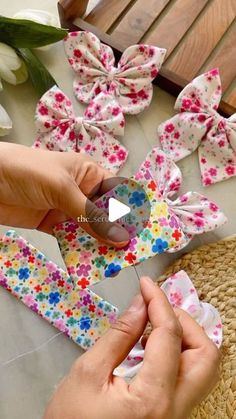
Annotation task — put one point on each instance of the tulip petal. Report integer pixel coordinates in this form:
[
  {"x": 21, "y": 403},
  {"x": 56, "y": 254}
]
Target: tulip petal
[
  {"x": 39, "y": 16},
  {"x": 5, "y": 122},
  {"x": 9, "y": 57},
  {"x": 6, "y": 74},
  {"x": 21, "y": 73}
]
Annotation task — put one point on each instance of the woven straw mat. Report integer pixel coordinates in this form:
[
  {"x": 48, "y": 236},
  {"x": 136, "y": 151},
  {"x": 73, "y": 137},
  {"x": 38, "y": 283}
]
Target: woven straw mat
[{"x": 212, "y": 268}]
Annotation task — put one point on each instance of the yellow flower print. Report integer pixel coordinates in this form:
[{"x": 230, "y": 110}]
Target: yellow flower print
[
  {"x": 43, "y": 306},
  {"x": 77, "y": 314},
  {"x": 72, "y": 258},
  {"x": 110, "y": 256},
  {"x": 142, "y": 248},
  {"x": 43, "y": 272},
  {"x": 74, "y": 333},
  {"x": 172, "y": 243},
  {"x": 73, "y": 297},
  {"x": 15, "y": 264},
  {"x": 92, "y": 333},
  {"x": 104, "y": 325},
  {"x": 156, "y": 230},
  {"x": 13, "y": 248},
  {"x": 31, "y": 282},
  {"x": 150, "y": 195},
  {"x": 60, "y": 306},
  {"x": 160, "y": 210},
  {"x": 97, "y": 275},
  {"x": 12, "y": 282},
  {"x": 45, "y": 289}
]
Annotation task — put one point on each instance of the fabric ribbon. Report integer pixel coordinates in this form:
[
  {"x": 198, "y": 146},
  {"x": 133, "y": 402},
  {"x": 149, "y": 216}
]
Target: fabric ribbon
[
  {"x": 199, "y": 125},
  {"x": 193, "y": 212},
  {"x": 94, "y": 64},
  {"x": 59, "y": 129},
  {"x": 181, "y": 293}
]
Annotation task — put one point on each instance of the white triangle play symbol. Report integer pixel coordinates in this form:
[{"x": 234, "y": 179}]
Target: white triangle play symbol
[{"x": 117, "y": 210}]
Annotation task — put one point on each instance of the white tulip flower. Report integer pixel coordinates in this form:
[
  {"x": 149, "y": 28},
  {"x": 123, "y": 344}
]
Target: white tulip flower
[
  {"x": 5, "y": 122},
  {"x": 12, "y": 69}
]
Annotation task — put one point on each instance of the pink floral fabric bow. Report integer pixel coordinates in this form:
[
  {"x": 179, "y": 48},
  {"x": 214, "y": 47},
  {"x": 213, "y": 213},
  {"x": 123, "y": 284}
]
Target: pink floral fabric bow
[
  {"x": 94, "y": 64},
  {"x": 199, "y": 125},
  {"x": 181, "y": 293},
  {"x": 59, "y": 129},
  {"x": 193, "y": 212}
]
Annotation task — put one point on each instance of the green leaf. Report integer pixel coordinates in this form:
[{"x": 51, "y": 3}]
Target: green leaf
[
  {"x": 39, "y": 75},
  {"x": 21, "y": 33}
]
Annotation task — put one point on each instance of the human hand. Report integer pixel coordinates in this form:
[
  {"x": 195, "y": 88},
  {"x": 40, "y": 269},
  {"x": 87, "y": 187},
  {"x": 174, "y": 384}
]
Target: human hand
[
  {"x": 39, "y": 189},
  {"x": 179, "y": 369}
]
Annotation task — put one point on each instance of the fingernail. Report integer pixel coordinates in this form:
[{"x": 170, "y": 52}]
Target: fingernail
[
  {"x": 117, "y": 234},
  {"x": 136, "y": 304}
]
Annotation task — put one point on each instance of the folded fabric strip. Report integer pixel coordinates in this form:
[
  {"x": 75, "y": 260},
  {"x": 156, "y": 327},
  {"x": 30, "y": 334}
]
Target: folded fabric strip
[
  {"x": 59, "y": 129},
  {"x": 181, "y": 293},
  {"x": 198, "y": 125},
  {"x": 48, "y": 291},
  {"x": 171, "y": 225},
  {"x": 94, "y": 64}
]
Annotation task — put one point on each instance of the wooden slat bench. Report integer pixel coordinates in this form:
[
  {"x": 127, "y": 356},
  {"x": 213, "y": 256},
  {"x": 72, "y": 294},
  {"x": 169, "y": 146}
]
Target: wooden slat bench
[{"x": 198, "y": 35}]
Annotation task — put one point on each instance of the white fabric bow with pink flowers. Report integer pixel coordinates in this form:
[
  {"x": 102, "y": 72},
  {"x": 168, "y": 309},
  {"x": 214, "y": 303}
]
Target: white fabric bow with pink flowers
[
  {"x": 181, "y": 293},
  {"x": 59, "y": 129},
  {"x": 199, "y": 125},
  {"x": 94, "y": 64}
]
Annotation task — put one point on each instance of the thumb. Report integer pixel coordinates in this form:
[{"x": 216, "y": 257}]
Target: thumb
[
  {"x": 91, "y": 218},
  {"x": 113, "y": 347}
]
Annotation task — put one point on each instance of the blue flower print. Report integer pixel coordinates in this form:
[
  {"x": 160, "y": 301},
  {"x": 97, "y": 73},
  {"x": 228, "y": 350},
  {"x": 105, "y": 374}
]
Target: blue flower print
[
  {"x": 159, "y": 246},
  {"x": 24, "y": 273},
  {"x": 137, "y": 198},
  {"x": 112, "y": 269},
  {"x": 85, "y": 323},
  {"x": 54, "y": 298}
]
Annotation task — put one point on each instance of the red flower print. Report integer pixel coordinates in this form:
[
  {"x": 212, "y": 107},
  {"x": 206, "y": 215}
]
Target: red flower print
[
  {"x": 63, "y": 128},
  {"x": 112, "y": 159},
  {"x": 152, "y": 185},
  {"x": 201, "y": 118},
  {"x": 199, "y": 222},
  {"x": 214, "y": 72},
  {"x": 47, "y": 125},
  {"x": 213, "y": 207},
  {"x": 212, "y": 171},
  {"x": 169, "y": 128},
  {"x": 38, "y": 288},
  {"x": 141, "y": 48},
  {"x": 43, "y": 110},
  {"x": 121, "y": 154},
  {"x": 159, "y": 159},
  {"x": 176, "y": 135},
  {"x": 186, "y": 103},
  {"x": 72, "y": 136},
  {"x": 77, "y": 53},
  {"x": 230, "y": 170},
  {"x": 154, "y": 73},
  {"x": 122, "y": 124},
  {"x": 203, "y": 160},
  {"x": 68, "y": 313},
  {"x": 61, "y": 283},
  {"x": 97, "y": 90},
  {"x": 221, "y": 143},
  {"x": 59, "y": 97},
  {"x": 31, "y": 259},
  {"x": 116, "y": 111},
  {"x": 130, "y": 258},
  {"x": 151, "y": 52},
  {"x": 92, "y": 307},
  {"x": 70, "y": 237},
  {"x": 102, "y": 250},
  {"x": 176, "y": 235},
  {"x": 8, "y": 263},
  {"x": 207, "y": 181},
  {"x": 83, "y": 283}
]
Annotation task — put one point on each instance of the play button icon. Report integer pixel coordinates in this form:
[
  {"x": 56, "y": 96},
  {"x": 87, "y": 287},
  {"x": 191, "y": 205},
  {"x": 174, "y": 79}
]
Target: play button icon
[{"x": 117, "y": 210}]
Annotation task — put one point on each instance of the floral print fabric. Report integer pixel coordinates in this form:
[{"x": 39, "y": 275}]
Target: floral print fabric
[
  {"x": 199, "y": 125},
  {"x": 59, "y": 129},
  {"x": 181, "y": 293},
  {"x": 94, "y": 64},
  {"x": 171, "y": 225},
  {"x": 49, "y": 291}
]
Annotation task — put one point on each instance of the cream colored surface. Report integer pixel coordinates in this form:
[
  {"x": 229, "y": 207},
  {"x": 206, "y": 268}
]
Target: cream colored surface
[{"x": 27, "y": 381}]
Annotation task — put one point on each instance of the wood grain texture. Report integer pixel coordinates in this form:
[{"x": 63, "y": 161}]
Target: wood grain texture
[
  {"x": 73, "y": 9},
  {"x": 106, "y": 13},
  {"x": 231, "y": 98},
  {"x": 202, "y": 39},
  {"x": 137, "y": 21},
  {"x": 172, "y": 27},
  {"x": 225, "y": 58}
]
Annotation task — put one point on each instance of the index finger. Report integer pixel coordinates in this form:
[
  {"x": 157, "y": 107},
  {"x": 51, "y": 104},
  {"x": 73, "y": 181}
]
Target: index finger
[{"x": 162, "y": 352}]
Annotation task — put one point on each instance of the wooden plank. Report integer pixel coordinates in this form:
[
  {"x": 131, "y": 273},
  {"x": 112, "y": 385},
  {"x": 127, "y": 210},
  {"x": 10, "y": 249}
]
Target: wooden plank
[
  {"x": 74, "y": 8},
  {"x": 137, "y": 21},
  {"x": 202, "y": 39},
  {"x": 225, "y": 58},
  {"x": 230, "y": 98},
  {"x": 106, "y": 13},
  {"x": 172, "y": 27}
]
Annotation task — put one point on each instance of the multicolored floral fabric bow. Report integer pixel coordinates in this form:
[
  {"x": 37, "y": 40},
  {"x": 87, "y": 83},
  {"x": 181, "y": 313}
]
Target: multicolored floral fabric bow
[
  {"x": 181, "y": 293},
  {"x": 198, "y": 125},
  {"x": 49, "y": 291},
  {"x": 171, "y": 226},
  {"x": 94, "y": 64},
  {"x": 59, "y": 129}
]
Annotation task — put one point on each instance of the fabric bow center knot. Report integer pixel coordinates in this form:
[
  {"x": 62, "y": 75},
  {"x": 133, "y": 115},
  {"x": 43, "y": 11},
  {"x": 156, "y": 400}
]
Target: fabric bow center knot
[
  {"x": 111, "y": 75},
  {"x": 78, "y": 122}
]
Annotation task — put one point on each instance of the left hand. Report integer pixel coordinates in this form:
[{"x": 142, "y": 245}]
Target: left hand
[{"x": 39, "y": 189}]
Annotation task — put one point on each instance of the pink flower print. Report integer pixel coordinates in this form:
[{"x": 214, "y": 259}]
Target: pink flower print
[
  {"x": 60, "y": 325},
  {"x": 169, "y": 128},
  {"x": 186, "y": 103},
  {"x": 176, "y": 135},
  {"x": 221, "y": 143},
  {"x": 147, "y": 164},
  {"x": 183, "y": 198},
  {"x": 192, "y": 309},
  {"x": 112, "y": 317},
  {"x": 59, "y": 97},
  {"x": 77, "y": 53},
  {"x": 207, "y": 181},
  {"x": 213, "y": 207},
  {"x": 230, "y": 170},
  {"x": 201, "y": 117},
  {"x": 212, "y": 171},
  {"x": 83, "y": 270},
  {"x": 112, "y": 159},
  {"x": 116, "y": 111},
  {"x": 121, "y": 155},
  {"x": 50, "y": 267},
  {"x": 20, "y": 243},
  {"x": 85, "y": 257},
  {"x": 159, "y": 158},
  {"x": 43, "y": 110},
  {"x": 48, "y": 280},
  {"x": 176, "y": 298},
  {"x": 203, "y": 160},
  {"x": 163, "y": 221},
  {"x": 199, "y": 222},
  {"x": 28, "y": 300}
]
